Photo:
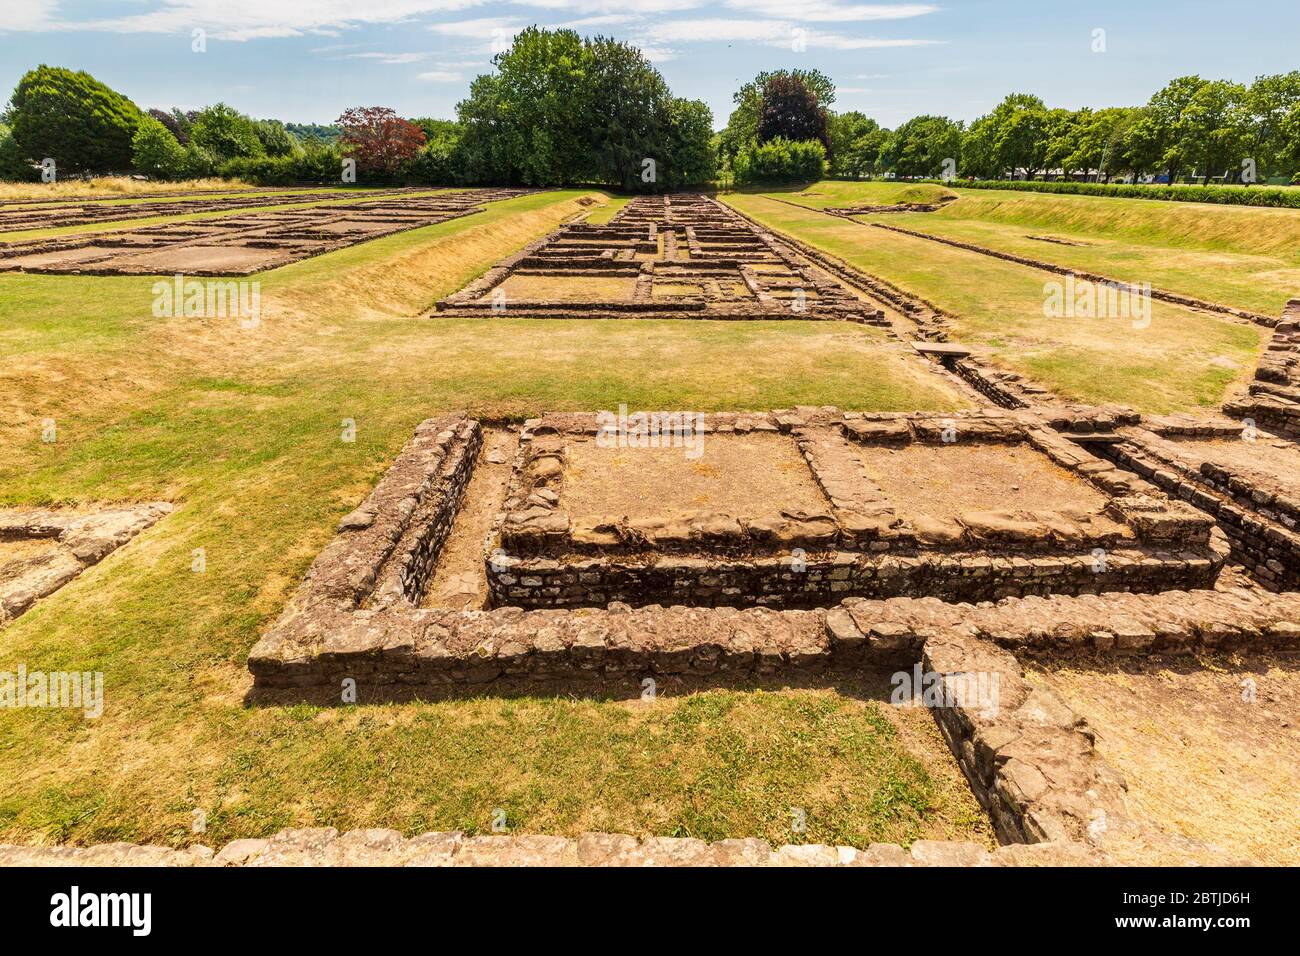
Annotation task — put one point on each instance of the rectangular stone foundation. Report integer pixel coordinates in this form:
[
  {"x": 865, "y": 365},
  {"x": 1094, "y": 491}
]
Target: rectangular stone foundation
[{"x": 1070, "y": 524}]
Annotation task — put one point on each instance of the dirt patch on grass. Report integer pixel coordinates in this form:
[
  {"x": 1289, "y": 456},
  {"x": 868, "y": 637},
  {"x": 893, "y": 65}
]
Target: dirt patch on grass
[
  {"x": 526, "y": 288},
  {"x": 1201, "y": 759},
  {"x": 947, "y": 480},
  {"x": 738, "y": 475},
  {"x": 1280, "y": 460}
]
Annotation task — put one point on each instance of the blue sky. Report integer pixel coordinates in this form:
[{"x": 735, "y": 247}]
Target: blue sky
[{"x": 307, "y": 61}]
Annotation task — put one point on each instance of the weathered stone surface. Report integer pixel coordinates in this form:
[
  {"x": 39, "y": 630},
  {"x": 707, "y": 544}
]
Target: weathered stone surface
[
  {"x": 328, "y": 847},
  {"x": 76, "y": 541}
]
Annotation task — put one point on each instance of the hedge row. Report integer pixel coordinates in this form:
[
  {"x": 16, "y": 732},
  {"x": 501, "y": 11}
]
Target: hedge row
[{"x": 1280, "y": 196}]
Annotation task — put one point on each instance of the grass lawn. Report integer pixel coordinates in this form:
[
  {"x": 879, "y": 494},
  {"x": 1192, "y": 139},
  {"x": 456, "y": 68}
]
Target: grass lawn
[
  {"x": 1240, "y": 256},
  {"x": 835, "y": 193},
  {"x": 242, "y": 430},
  {"x": 1185, "y": 360}
]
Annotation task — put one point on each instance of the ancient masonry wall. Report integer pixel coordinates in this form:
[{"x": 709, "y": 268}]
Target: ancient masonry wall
[
  {"x": 328, "y": 847},
  {"x": 1029, "y": 758},
  {"x": 1274, "y": 399},
  {"x": 860, "y": 546},
  {"x": 1260, "y": 521},
  {"x": 85, "y": 539}
]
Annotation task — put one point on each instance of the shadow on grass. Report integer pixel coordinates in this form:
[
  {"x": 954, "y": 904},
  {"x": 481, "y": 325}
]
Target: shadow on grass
[{"x": 860, "y": 684}]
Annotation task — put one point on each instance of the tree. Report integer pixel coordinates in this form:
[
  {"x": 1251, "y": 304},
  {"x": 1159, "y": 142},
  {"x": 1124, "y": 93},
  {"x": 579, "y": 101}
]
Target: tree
[
  {"x": 1212, "y": 132},
  {"x": 1159, "y": 131},
  {"x": 781, "y": 160},
  {"x": 14, "y": 167},
  {"x": 1098, "y": 141},
  {"x": 155, "y": 151},
  {"x": 856, "y": 141},
  {"x": 530, "y": 124},
  {"x": 790, "y": 110},
  {"x": 226, "y": 133},
  {"x": 378, "y": 139},
  {"x": 275, "y": 139},
  {"x": 1271, "y": 102},
  {"x": 173, "y": 123},
  {"x": 692, "y": 159},
  {"x": 73, "y": 119},
  {"x": 742, "y": 127},
  {"x": 563, "y": 109},
  {"x": 920, "y": 147},
  {"x": 1061, "y": 138},
  {"x": 627, "y": 106}
]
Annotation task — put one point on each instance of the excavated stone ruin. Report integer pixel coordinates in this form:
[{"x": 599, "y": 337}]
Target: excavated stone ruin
[
  {"x": 674, "y": 257},
  {"x": 242, "y": 244}
]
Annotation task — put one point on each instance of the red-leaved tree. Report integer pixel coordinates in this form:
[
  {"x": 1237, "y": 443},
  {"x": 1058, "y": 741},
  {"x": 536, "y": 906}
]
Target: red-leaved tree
[{"x": 378, "y": 139}]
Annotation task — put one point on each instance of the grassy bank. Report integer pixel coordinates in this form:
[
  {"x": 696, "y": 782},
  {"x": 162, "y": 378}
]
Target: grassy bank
[{"x": 1184, "y": 360}]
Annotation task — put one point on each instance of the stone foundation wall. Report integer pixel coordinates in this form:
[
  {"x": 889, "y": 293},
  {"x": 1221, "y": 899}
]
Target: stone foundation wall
[
  {"x": 328, "y": 847},
  {"x": 825, "y": 579},
  {"x": 83, "y": 539},
  {"x": 859, "y": 545},
  {"x": 1260, "y": 523},
  {"x": 619, "y": 645},
  {"x": 408, "y": 572}
]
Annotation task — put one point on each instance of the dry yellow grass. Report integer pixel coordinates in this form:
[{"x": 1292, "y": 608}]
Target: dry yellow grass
[
  {"x": 118, "y": 187},
  {"x": 1201, "y": 760}
]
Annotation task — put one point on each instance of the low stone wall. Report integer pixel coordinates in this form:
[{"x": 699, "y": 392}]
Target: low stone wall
[
  {"x": 84, "y": 538},
  {"x": 821, "y": 579},
  {"x": 329, "y": 847},
  {"x": 407, "y": 572},
  {"x": 619, "y": 645},
  {"x": 1259, "y": 518},
  {"x": 859, "y": 545},
  {"x": 1274, "y": 399},
  {"x": 1268, "y": 412}
]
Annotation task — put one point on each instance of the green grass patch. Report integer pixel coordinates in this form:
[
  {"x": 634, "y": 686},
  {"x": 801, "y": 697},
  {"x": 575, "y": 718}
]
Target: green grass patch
[
  {"x": 830, "y": 193},
  {"x": 1185, "y": 360}
]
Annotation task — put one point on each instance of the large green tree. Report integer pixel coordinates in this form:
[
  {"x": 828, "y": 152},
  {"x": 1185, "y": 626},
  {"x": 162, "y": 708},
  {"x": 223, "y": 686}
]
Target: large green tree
[
  {"x": 790, "y": 110},
  {"x": 226, "y": 133},
  {"x": 742, "y": 126},
  {"x": 156, "y": 151},
  {"x": 922, "y": 147},
  {"x": 1271, "y": 102},
  {"x": 73, "y": 119},
  {"x": 561, "y": 109},
  {"x": 856, "y": 142}
]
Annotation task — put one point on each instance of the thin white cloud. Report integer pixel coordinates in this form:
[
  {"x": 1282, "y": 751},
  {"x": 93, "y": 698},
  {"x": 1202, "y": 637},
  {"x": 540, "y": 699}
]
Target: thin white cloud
[
  {"x": 774, "y": 33},
  {"x": 24, "y": 16},
  {"x": 249, "y": 19},
  {"x": 830, "y": 11},
  {"x": 390, "y": 58},
  {"x": 486, "y": 27},
  {"x": 441, "y": 76}
]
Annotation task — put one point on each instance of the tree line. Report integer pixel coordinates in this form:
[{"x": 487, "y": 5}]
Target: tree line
[
  {"x": 558, "y": 109},
  {"x": 563, "y": 109},
  {"x": 1215, "y": 129}
]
